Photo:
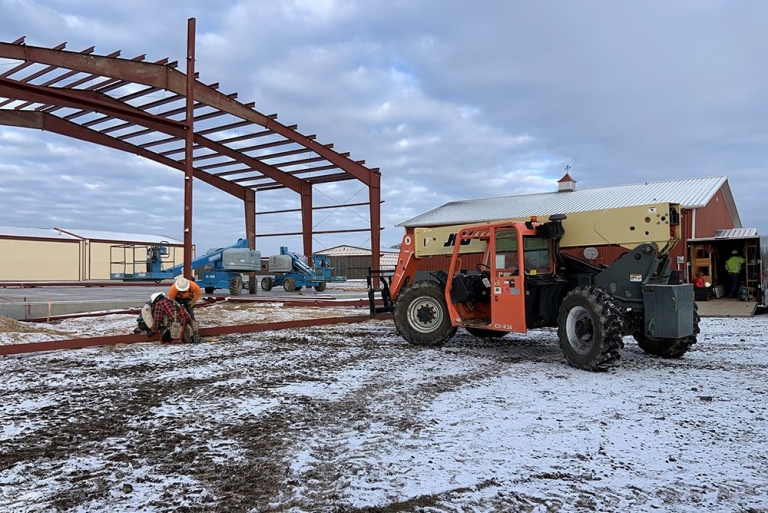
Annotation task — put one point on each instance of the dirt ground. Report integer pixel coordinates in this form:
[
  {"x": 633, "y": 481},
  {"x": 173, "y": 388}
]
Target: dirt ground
[{"x": 351, "y": 418}]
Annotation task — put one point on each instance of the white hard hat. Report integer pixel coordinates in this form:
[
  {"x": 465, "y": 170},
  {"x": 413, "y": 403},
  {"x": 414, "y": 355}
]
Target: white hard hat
[
  {"x": 182, "y": 284},
  {"x": 155, "y": 296}
]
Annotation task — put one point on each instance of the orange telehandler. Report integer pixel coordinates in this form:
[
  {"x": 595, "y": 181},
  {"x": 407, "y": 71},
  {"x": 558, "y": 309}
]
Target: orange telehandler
[{"x": 524, "y": 281}]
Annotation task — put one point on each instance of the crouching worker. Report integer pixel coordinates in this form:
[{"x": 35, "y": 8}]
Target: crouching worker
[
  {"x": 186, "y": 293},
  {"x": 169, "y": 319}
]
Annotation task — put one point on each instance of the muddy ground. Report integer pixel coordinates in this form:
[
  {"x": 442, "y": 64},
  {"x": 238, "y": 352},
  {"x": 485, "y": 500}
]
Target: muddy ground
[{"x": 351, "y": 418}]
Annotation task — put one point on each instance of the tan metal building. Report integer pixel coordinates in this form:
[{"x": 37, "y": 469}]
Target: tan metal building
[
  {"x": 55, "y": 254},
  {"x": 707, "y": 206},
  {"x": 353, "y": 262}
]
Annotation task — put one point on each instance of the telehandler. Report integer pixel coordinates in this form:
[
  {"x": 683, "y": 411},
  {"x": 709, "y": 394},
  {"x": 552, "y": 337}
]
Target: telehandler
[{"x": 524, "y": 281}]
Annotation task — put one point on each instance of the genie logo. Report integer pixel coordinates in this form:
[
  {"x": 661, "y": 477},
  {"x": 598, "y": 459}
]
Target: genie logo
[{"x": 452, "y": 241}]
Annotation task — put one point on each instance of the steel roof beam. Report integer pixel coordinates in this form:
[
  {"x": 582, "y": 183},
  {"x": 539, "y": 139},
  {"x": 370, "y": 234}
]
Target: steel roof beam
[
  {"x": 51, "y": 123},
  {"x": 175, "y": 81}
]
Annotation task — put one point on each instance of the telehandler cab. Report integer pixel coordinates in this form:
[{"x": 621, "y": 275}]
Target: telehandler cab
[{"x": 524, "y": 281}]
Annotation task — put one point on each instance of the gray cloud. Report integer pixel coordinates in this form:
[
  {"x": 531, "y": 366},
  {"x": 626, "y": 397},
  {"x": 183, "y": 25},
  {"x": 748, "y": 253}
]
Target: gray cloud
[{"x": 451, "y": 99}]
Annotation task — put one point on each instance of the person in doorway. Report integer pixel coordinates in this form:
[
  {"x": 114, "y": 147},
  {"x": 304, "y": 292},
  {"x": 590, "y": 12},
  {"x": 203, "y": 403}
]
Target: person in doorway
[
  {"x": 733, "y": 267},
  {"x": 169, "y": 319},
  {"x": 186, "y": 293},
  {"x": 698, "y": 281}
]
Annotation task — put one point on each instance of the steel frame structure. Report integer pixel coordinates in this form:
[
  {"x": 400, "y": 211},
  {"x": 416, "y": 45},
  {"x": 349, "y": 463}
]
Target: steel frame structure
[{"x": 153, "y": 110}]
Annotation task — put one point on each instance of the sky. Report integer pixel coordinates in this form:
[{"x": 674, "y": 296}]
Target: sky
[{"x": 451, "y": 100}]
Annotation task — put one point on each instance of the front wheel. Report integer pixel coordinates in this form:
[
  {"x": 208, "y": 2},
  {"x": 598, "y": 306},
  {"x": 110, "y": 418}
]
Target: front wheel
[
  {"x": 289, "y": 284},
  {"x": 252, "y": 285},
  {"x": 209, "y": 290},
  {"x": 589, "y": 327},
  {"x": 320, "y": 286},
  {"x": 669, "y": 347},
  {"x": 266, "y": 284},
  {"x": 421, "y": 314},
  {"x": 236, "y": 285}
]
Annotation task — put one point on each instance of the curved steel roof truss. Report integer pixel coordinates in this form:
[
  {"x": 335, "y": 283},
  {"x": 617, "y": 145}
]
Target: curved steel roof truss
[{"x": 140, "y": 107}]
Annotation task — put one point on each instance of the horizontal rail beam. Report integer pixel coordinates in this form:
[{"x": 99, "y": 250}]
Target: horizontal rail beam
[{"x": 77, "y": 343}]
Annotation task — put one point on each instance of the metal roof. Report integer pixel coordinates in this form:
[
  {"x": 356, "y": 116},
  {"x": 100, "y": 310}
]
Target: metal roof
[
  {"x": 34, "y": 233},
  {"x": 104, "y": 236},
  {"x": 733, "y": 233},
  {"x": 76, "y": 235},
  {"x": 345, "y": 250},
  {"x": 689, "y": 193}
]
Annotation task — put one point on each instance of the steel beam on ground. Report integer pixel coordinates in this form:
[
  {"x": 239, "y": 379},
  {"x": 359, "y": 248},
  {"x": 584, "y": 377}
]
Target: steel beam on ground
[{"x": 77, "y": 343}]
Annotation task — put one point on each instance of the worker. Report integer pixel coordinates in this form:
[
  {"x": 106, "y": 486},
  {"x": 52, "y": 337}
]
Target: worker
[
  {"x": 733, "y": 266},
  {"x": 186, "y": 293},
  {"x": 169, "y": 319},
  {"x": 698, "y": 281}
]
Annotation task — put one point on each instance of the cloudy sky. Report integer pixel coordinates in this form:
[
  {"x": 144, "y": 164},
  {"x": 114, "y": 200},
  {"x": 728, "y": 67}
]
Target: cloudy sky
[{"x": 450, "y": 99}]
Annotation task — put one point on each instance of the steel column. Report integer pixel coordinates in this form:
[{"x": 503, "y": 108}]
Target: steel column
[
  {"x": 188, "y": 146},
  {"x": 306, "y": 218},
  {"x": 374, "y": 195}
]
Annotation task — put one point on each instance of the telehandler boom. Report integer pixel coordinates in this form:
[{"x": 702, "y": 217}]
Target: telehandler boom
[{"x": 524, "y": 281}]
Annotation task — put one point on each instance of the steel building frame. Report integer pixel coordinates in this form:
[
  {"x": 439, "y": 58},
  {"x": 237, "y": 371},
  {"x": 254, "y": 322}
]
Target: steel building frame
[{"x": 192, "y": 127}]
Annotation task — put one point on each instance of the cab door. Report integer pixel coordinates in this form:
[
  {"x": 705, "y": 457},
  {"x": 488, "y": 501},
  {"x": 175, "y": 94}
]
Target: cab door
[{"x": 507, "y": 280}]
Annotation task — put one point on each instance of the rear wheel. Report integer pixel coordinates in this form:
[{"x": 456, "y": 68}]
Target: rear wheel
[
  {"x": 669, "y": 347},
  {"x": 209, "y": 290},
  {"x": 589, "y": 327},
  {"x": 236, "y": 285},
  {"x": 485, "y": 333},
  {"x": 320, "y": 286},
  {"x": 421, "y": 315},
  {"x": 266, "y": 284},
  {"x": 252, "y": 285},
  {"x": 289, "y": 284}
]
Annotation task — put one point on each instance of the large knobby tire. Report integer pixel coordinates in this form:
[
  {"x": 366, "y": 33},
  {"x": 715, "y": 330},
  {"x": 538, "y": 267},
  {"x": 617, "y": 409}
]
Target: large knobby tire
[
  {"x": 421, "y": 314},
  {"x": 320, "y": 286},
  {"x": 589, "y": 326},
  {"x": 252, "y": 289},
  {"x": 669, "y": 347},
  {"x": 485, "y": 333},
  {"x": 289, "y": 284},
  {"x": 236, "y": 285},
  {"x": 266, "y": 284}
]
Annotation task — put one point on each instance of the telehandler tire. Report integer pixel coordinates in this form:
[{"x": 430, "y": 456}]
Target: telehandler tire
[
  {"x": 669, "y": 347},
  {"x": 252, "y": 289},
  {"x": 266, "y": 284},
  {"x": 289, "y": 285},
  {"x": 236, "y": 285},
  {"x": 485, "y": 333},
  {"x": 421, "y": 314},
  {"x": 209, "y": 290},
  {"x": 320, "y": 286},
  {"x": 589, "y": 327}
]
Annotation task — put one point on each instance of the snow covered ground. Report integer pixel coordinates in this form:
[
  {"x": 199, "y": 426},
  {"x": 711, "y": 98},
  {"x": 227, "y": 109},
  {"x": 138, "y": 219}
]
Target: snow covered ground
[{"x": 351, "y": 418}]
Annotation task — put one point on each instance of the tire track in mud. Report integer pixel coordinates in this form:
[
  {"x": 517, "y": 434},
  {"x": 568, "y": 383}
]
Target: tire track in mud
[
  {"x": 265, "y": 422},
  {"x": 386, "y": 408}
]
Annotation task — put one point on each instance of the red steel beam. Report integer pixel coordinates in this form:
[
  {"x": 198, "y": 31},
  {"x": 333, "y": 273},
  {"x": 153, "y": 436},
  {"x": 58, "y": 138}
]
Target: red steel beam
[
  {"x": 189, "y": 170},
  {"x": 76, "y": 343},
  {"x": 175, "y": 81},
  {"x": 51, "y": 123}
]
